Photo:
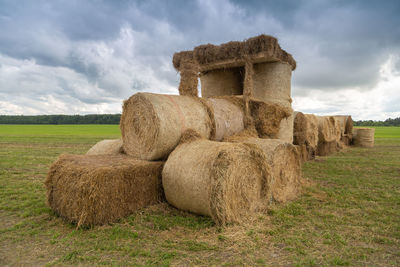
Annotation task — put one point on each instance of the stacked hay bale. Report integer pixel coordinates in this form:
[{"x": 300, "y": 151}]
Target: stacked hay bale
[
  {"x": 346, "y": 124},
  {"x": 328, "y": 135},
  {"x": 152, "y": 124},
  {"x": 305, "y": 134},
  {"x": 227, "y": 155},
  {"x": 363, "y": 137},
  {"x": 225, "y": 181},
  {"x": 283, "y": 160},
  {"x": 256, "y": 68}
]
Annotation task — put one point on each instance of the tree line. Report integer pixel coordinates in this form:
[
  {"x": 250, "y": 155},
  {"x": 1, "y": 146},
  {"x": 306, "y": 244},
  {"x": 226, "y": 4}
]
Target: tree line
[
  {"x": 114, "y": 119},
  {"x": 387, "y": 122},
  {"x": 61, "y": 119}
]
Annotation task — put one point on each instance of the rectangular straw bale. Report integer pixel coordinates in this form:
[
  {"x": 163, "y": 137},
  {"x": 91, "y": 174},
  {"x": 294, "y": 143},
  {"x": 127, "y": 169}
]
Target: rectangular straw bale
[{"x": 100, "y": 189}]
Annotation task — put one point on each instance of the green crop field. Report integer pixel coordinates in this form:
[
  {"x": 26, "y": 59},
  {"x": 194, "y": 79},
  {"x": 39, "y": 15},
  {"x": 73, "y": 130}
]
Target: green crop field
[{"x": 349, "y": 213}]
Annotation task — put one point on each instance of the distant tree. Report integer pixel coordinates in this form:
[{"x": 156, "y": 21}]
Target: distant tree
[
  {"x": 61, "y": 119},
  {"x": 387, "y": 122}
]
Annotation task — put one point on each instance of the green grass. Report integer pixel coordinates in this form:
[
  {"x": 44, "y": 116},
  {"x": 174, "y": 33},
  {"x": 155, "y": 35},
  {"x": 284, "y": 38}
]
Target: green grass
[{"x": 348, "y": 215}]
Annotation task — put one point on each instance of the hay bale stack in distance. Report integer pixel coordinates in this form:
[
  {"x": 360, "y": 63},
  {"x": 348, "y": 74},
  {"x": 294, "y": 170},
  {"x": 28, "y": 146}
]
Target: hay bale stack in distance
[
  {"x": 284, "y": 161},
  {"x": 346, "y": 124},
  {"x": 107, "y": 147},
  {"x": 363, "y": 137},
  {"x": 326, "y": 129},
  {"x": 305, "y": 134},
  {"x": 100, "y": 189},
  {"x": 226, "y": 181},
  {"x": 328, "y": 132},
  {"x": 152, "y": 124}
]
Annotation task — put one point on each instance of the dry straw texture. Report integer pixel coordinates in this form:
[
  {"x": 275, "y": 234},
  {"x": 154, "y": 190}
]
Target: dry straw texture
[
  {"x": 223, "y": 180},
  {"x": 346, "y": 124},
  {"x": 327, "y": 148},
  {"x": 305, "y": 134},
  {"x": 284, "y": 161},
  {"x": 181, "y": 57},
  {"x": 89, "y": 190},
  {"x": 266, "y": 117},
  {"x": 222, "y": 82},
  {"x": 238, "y": 51},
  {"x": 363, "y": 137},
  {"x": 107, "y": 147},
  {"x": 189, "y": 78},
  {"x": 152, "y": 124},
  {"x": 228, "y": 117},
  {"x": 272, "y": 83},
  {"x": 326, "y": 129}
]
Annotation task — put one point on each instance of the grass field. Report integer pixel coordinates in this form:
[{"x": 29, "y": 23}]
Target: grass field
[{"x": 348, "y": 215}]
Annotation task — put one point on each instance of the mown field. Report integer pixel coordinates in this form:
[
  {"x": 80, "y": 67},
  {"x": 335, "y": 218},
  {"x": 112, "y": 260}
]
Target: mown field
[{"x": 348, "y": 215}]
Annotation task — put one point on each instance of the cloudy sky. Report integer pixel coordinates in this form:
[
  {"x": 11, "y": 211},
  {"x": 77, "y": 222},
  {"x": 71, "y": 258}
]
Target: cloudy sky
[{"x": 81, "y": 57}]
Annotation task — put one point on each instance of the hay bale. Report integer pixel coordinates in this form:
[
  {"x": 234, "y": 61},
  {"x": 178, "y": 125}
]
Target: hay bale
[
  {"x": 327, "y": 148},
  {"x": 181, "y": 57},
  {"x": 305, "y": 134},
  {"x": 305, "y": 129},
  {"x": 363, "y": 137},
  {"x": 326, "y": 129},
  {"x": 152, "y": 124},
  {"x": 266, "y": 117},
  {"x": 98, "y": 189},
  {"x": 271, "y": 119},
  {"x": 272, "y": 83},
  {"x": 261, "y": 48},
  {"x": 346, "y": 124},
  {"x": 107, "y": 147},
  {"x": 329, "y": 133},
  {"x": 222, "y": 82},
  {"x": 189, "y": 78},
  {"x": 284, "y": 161},
  {"x": 223, "y": 180},
  {"x": 228, "y": 117}
]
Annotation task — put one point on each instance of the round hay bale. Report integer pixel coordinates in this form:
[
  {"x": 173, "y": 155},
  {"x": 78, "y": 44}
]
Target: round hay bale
[
  {"x": 99, "y": 189},
  {"x": 326, "y": 129},
  {"x": 222, "y": 82},
  {"x": 363, "y": 137},
  {"x": 338, "y": 129},
  {"x": 228, "y": 116},
  {"x": 327, "y": 148},
  {"x": 152, "y": 124},
  {"x": 305, "y": 129},
  {"x": 284, "y": 161},
  {"x": 346, "y": 124},
  {"x": 107, "y": 147},
  {"x": 229, "y": 111},
  {"x": 223, "y": 180},
  {"x": 272, "y": 83}
]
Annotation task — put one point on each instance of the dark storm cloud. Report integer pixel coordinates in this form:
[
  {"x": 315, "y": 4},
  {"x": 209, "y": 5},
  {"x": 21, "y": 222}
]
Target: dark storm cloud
[{"x": 120, "y": 47}]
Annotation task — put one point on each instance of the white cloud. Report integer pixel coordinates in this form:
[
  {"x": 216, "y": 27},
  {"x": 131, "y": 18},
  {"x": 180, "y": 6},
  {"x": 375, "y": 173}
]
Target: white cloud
[
  {"x": 379, "y": 103},
  {"x": 106, "y": 73}
]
